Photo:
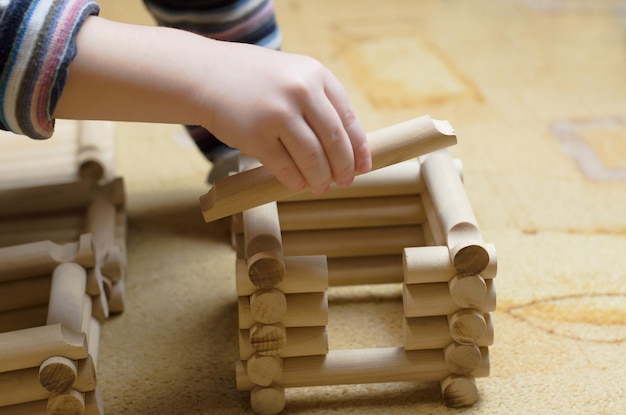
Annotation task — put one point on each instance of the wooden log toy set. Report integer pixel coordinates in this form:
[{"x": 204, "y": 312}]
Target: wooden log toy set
[
  {"x": 62, "y": 267},
  {"x": 408, "y": 221}
]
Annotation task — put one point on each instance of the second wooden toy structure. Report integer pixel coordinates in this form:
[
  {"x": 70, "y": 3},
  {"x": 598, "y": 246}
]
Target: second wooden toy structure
[{"x": 409, "y": 223}]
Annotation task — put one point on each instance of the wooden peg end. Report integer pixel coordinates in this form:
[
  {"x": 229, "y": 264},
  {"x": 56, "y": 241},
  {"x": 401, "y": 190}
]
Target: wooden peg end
[
  {"x": 468, "y": 291},
  {"x": 268, "y": 339},
  {"x": 69, "y": 403},
  {"x": 57, "y": 374},
  {"x": 268, "y": 306},
  {"x": 267, "y": 401},
  {"x": 266, "y": 270},
  {"x": 467, "y": 326},
  {"x": 264, "y": 370},
  {"x": 470, "y": 258},
  {"x": 462, "y": 359},
  {"x": 459, "y": 391}
]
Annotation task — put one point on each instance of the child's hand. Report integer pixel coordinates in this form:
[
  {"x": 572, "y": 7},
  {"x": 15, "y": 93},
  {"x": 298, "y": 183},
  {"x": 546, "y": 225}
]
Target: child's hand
[{"x": 289, "y": 112}]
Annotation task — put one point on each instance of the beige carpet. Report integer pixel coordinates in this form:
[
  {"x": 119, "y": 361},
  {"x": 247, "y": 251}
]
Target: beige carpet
[{"x": 537, "y": 93}]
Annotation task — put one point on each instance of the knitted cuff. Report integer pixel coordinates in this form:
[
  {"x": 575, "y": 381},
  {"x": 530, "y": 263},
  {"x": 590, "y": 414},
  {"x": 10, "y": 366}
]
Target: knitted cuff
[{"x": 38, "y": 42}]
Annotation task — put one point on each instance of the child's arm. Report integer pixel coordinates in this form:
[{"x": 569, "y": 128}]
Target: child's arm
[{"x": 288, "y": 111}]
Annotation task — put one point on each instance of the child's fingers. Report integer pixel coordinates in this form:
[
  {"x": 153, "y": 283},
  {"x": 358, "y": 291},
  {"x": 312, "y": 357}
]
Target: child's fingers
[
  {"x": 275, "y": 157},
  {"x": 324, "y": 120},
  {"x": 356, "y": 134},
  {"x": 305, "y": 149}
]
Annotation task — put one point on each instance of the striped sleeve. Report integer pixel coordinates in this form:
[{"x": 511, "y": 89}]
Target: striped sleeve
[
  {"x": 246, "y": 21},
  {"x": 37, "y": 44}
]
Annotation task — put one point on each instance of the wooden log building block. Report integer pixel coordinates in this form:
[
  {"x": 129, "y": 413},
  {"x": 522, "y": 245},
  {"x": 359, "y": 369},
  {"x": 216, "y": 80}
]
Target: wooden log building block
[
  {"x": 41, "y": 257},
  {"x": 23, "y": 318},
  {"x": 116, "y": 295},
  {"x": 303, "y": 274},
  {"x": 388, "y": 146},
  {"x": 459, "y": 391},
  {"x": 67, "y": 295},
  {"x": 455, "y": 213},
  {"x": 351, "y": 213},
  {"x": 38, "y": 383},
  {"x": 100, "y": 222},
  {"x": 303, "y": 310},
  {"x": 468, "y": 291},
  {"x": 268, "y": 339},
  {"x": 435, "y": 332},
  {"x": 57, "y": 374},
  {"x": 303, "y": 341},
  {"x": 113, "y": 266},
  {"x": 93, "y": 341},
  {"x": 263, "y": 245},
  {"x": 45, "y": 224},
  {"x": 355, "y": 242},
  {"x": 58, "y": 198},
  {"x": 268, "y": 400},
  {"x": 462, "y": 359},
  {"x": 264, "y": 370},
  {"x": 469, "y": 326},
  {"x": 434, "y": 299},
  {"x": 29, "y": 347},
  {"x": 376, "y": 269},
  {"x": 68, "y": 403},
  {"x": 95, "y": 153},
  {"x": 93, "y": 406},
  {"x": 344, "y": 367},
  {"x": 268, "y": 306},
  {"x": 25, "y": 293},
  {"x": 433, "y": 264},
  {"x": 401, "y": 179}
]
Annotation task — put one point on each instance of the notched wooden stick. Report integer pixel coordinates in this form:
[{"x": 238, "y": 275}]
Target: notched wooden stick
[{"x": 390, "y": 145}]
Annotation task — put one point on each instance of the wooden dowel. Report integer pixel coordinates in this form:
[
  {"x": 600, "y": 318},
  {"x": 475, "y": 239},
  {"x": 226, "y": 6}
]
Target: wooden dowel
[
  {"x": 93, "y": 406},
  {"x": 399, "y": 179},
  {"x": 434, "y": 299},
  {"x": 268, "y": 400},
  {"x": 302, "y": 341},
  {"x": 86, "y": 376},
  {"x": 29, "y": 347},
  {"x": 468, "y": 291},
  {"x": 462, "y": 359},
  {"x": 356, "y": 242},
  {"x": 24, "y": 293},
  {"x": 351, "y": 213},
  {"x": 268, "y": 339},
  {"x": 303, "y": 310},
  {"x": 58, "y": 197},
  {"x": 116, "y": 296},
  {"x": 67, "y": 295},
  {"x": 378, "y": 269},
  {"x": 114, "y": 264},
  {"x": 264, "y": 370},
  {"x": 20, "y": 386},
  {"x": 268, "y": 306},
  {"x": 100, "y": 223},
  {"x": 435, "y": 234},
  {"x": 93, "y": 341},
  {"x": 459, "y": 391},
  {"x": 433, "y": 332},
  {"x": 23, "y": 318},
  {"x": 59, "y": 236},
  {"x": 69, "y": 403},
  {"x": 455, "y": 213},
  {"x": 388, "y": 146},
  {"x": 433, "y": 264},
  {"x": 469, "y": 326},
  {"x": 303, "y": 274},
  {"x": 263, "y": 245},
  {"x": 95, "y": 154},
  {"x": 45, "y": 223},
  {"x": 343, "y": 367},
  {"x": 57, "y": 374}
]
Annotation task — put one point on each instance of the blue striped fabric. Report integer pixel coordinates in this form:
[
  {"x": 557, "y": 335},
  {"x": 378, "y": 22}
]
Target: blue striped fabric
[
  {"x": 247, "y": 21},
  {"x": 37, "y": 44}
]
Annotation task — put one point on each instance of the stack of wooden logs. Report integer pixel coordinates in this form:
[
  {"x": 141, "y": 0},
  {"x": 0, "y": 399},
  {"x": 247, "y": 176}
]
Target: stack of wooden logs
[
  {"x": 62, "y": 267},
  {"x": 409, "y": 223}
]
